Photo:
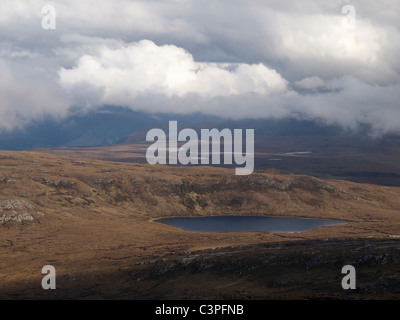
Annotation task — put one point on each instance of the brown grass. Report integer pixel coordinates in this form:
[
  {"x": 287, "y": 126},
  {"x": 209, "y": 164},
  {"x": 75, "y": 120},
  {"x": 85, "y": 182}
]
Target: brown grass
[{"x": 94, "y": 223}]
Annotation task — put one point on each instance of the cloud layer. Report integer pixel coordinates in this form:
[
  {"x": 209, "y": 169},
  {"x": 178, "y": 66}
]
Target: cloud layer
[{"x": 227, "y": 58}]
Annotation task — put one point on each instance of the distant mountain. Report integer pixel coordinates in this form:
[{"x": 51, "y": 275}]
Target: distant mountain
[
  {"x": 285, "y": 127},
  {"x": 112, "y": 125},
  {"x": 104, "y": 126}
]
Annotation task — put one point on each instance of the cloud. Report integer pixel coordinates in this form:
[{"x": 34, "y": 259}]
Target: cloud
[
  {"x": 26, "y": 95},
  {"x": 313, "y": 82},
  {"x": 227, "y": 58},
  {"x": 120, "y": 74}
]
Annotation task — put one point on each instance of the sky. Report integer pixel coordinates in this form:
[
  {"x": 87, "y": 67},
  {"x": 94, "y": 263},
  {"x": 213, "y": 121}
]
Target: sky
[{"x": 335, "y": 60}]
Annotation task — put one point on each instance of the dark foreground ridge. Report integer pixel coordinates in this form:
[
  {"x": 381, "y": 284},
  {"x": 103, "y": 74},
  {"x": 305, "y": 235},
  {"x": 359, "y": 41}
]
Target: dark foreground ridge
[{"x": 284, "y": 270}]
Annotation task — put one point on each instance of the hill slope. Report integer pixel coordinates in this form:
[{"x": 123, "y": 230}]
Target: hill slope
[{"x": 93, "y": 220}]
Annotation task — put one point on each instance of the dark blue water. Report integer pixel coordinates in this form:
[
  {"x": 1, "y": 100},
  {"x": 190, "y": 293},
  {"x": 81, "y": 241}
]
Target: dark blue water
[{"x": 246, "y": 223}]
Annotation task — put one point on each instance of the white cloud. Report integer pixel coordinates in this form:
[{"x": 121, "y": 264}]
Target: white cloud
[{"x": 120, "y": 74}]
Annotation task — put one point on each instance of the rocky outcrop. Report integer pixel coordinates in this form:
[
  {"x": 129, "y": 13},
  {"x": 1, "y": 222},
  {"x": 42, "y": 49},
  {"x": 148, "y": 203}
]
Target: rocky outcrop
[
  {"x": 15, "y": 210},
  {"x": 180, "y": 195},
  {"x": 62, "y": 183}
]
